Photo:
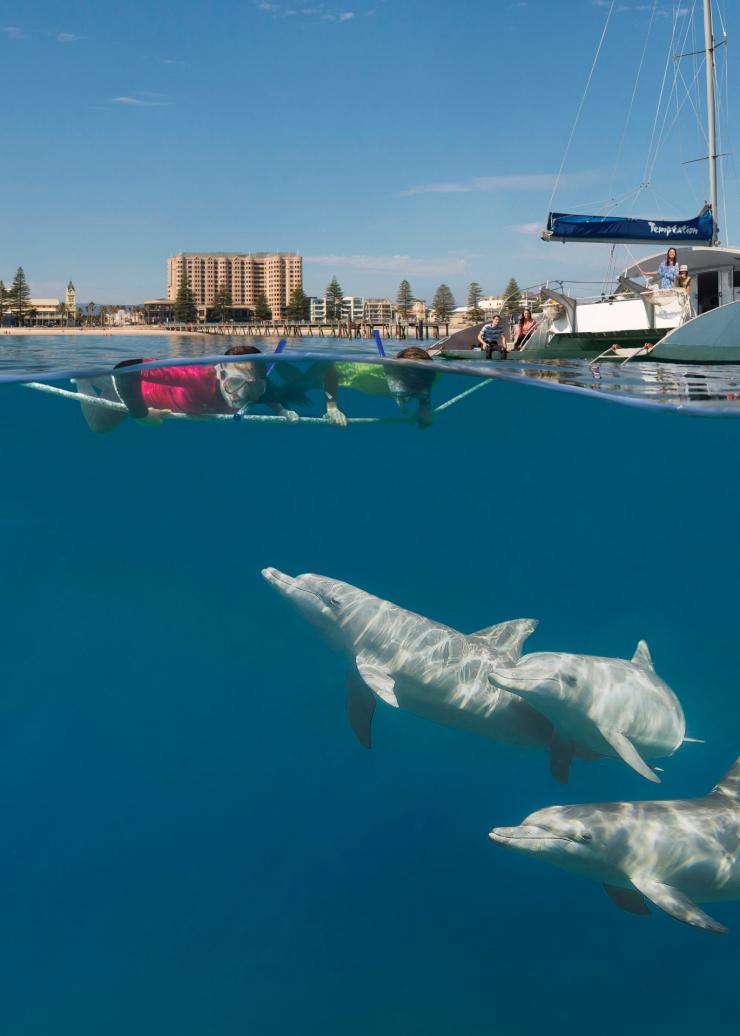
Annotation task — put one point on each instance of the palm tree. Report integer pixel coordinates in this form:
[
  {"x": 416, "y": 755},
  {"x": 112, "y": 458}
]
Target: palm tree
[
  {"x": 62, "y": 311},
  {"x": 90, "y": 307}
]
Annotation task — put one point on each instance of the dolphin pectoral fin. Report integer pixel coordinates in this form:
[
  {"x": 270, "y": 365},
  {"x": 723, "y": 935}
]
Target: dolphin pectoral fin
[
  {"x": 360, "y": 702},
  {"x": 561, "y": 756},
  {"x": 642, "y": 657},
  {"x": 629, "y": 900},
  {"x": 629, "y": 754},
  {"x": 676, "y": 903},
  {"x": 379, "y": 681}
]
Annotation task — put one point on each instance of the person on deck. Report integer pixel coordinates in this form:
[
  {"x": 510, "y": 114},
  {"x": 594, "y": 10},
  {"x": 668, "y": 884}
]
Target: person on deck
[
  {"x": 493, "y": 336},
  {"x": 667, "y": 271},
  {"x": 683, "y": 277},
  {"x": 524, "y": 328}
]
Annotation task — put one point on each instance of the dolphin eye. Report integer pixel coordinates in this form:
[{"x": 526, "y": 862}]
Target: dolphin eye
[{"x": 586, "y": 837}]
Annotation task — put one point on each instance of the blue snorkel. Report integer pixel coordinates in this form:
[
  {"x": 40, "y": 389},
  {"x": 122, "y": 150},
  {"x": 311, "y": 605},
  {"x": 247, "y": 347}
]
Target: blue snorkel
[
  {"x": 379, "y": 342},
  {"x": 278, "y": 349}
]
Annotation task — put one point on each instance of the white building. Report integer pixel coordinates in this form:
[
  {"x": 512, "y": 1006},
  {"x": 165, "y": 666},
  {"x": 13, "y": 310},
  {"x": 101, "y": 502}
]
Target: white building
[{"x": 354, "y": 309}]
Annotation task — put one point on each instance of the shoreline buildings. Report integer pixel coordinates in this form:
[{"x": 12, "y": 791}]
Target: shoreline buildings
[{"x": 245, "y": 275}]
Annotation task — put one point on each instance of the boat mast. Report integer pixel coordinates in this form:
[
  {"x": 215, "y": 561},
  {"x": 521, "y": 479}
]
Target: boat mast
[{"x": 711, "y": 113}]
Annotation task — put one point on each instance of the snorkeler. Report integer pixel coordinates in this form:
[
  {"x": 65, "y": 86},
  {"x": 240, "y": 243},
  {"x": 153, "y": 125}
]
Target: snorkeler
[
  {"x": 195, "y": 389},
  {"x": 403, "y": 383}
]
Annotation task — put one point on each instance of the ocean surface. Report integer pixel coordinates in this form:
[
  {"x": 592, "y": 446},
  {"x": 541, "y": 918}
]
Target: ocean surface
[{"x": 193, "y": 840}]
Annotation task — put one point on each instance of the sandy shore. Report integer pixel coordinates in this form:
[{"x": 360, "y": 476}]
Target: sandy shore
[{"x": 135, "y": 329}]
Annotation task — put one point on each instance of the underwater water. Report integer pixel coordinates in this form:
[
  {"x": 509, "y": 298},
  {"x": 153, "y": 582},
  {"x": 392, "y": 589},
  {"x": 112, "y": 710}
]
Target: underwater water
[{"x": 194, "y": 841}]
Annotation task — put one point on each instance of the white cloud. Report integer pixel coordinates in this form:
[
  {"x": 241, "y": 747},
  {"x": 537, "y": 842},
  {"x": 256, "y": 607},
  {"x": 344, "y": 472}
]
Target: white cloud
[
  {"x": 527, "y": 229},
  {"x": 141, "y": 99},
  {"x": 321, "y": 12},
  {"x": 69, "y": 37},
  {"x": 14, "y": 33},
  {"x": 404, "y": 264},
  {"x": 509, "y": 182}
]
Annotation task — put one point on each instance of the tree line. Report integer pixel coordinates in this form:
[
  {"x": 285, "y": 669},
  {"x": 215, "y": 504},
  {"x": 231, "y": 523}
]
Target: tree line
[{"x": 299, "y": 305}]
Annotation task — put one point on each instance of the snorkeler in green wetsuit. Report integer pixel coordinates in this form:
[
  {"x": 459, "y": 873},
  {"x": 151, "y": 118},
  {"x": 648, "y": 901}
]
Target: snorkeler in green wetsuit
[{"x": 404, "y": 384}]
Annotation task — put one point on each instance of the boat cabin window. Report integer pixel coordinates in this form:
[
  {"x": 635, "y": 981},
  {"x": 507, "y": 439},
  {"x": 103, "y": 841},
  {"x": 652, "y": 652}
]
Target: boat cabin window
[{"x": 707, "y": 291}]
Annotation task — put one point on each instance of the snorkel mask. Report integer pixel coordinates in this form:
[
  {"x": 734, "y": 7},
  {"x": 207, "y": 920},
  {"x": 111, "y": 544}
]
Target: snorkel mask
[
  {"x": 408, "y": 384},
  {"x": 241, "y": 383}
]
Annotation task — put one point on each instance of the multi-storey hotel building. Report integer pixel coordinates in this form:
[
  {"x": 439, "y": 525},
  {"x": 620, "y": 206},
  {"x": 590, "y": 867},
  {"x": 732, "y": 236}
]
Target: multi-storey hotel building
[{"x": 245, "y": 274}]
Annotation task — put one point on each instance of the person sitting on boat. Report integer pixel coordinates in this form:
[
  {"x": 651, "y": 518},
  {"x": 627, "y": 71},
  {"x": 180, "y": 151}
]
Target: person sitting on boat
[
  {"x": 524, "y": 328},
  {"x": 374, "y": 379},
  {"x": 195, "y": 389},
  {"x": 493, "y": 336},
  {"x": 667, "y": 271}
]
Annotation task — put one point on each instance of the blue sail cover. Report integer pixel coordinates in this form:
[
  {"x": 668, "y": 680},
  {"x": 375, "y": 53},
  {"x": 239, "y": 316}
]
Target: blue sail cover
[{"x": 562, "y": 226}]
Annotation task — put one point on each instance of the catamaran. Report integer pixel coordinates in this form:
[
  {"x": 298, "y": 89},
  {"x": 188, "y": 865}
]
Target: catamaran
[{"x": 633, "y": 318}]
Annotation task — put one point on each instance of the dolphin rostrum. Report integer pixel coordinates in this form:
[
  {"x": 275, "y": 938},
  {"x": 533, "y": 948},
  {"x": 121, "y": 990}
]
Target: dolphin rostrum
[
  {"x": 411, "y": 662},
  {"x": 670, "y": 853},
  {"x": 612, "y": 706}
]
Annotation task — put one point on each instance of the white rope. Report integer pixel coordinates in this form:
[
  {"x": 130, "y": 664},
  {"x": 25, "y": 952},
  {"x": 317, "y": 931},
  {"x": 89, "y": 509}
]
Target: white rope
[{"x": 580, "y": 106}]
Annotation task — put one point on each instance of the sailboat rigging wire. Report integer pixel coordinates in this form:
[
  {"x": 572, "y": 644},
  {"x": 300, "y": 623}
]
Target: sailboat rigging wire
[
  {"x": 580, "y": 106},
  {"x": 673, "y": 123},
  {"x": 620, "y": 149},
  {"x": 645, "y": 175},
  {"x": 665, "y": 130}
]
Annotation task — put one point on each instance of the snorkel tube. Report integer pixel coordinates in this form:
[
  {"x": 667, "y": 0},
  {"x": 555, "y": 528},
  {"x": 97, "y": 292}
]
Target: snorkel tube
[{"x": 379, "y": 342}]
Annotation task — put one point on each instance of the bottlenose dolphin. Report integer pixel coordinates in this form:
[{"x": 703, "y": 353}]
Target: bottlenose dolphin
[
  {"x": 413, "y": 663},
  {"x": 670, "y": 853},
  {"x": 612, "y": 706}
]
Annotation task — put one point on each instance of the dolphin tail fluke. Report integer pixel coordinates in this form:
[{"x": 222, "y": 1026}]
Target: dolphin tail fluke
[
  {"x": 100, "y": 420},
  {"x": 361, "y": 703},
  {"x": 629, "y": 754},
  {"x": 561, "y": 756},
  {"x": 676, "y": 903},
  {"x": 629, "y": 900}
]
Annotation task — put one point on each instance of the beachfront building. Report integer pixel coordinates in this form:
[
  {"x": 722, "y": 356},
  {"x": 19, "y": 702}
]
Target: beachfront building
[
  {"x": 245, "y": 275},
  {"x": 378, "y": 311},
  {"x": 355, "y": 309}
]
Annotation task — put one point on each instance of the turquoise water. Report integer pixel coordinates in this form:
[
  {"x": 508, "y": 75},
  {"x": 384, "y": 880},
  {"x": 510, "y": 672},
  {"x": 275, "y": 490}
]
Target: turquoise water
[{"x": 194, "y": 842}]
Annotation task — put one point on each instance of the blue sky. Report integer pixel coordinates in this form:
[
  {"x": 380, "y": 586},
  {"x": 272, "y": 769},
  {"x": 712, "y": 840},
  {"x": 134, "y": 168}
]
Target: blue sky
[{"x": 380, "y": 138}]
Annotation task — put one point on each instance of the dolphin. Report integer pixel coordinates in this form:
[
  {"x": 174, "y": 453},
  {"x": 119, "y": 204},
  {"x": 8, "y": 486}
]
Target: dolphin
[
  {"x": 612, "y": 706},
  {"x": 670, "y": 853},
  {"x": 411, "y": 662}
]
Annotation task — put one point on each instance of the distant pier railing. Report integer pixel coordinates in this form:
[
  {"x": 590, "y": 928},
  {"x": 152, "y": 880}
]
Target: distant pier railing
[{"x": 420, "y": 331}]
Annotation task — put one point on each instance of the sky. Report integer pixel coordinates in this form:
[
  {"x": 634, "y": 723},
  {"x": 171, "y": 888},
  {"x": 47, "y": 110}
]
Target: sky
[{"x": 381, "y": 139}]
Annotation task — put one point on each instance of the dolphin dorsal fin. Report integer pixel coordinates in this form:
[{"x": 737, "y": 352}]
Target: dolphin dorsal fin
[
  {"x": 508, "y": 637},
  {"x": 642, "y": 656},
  {"x": 729, "y": 786}
]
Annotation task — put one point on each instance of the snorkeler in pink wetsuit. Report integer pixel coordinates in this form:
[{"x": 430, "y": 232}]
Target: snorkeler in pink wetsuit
[{"x": 194, "y": 389}]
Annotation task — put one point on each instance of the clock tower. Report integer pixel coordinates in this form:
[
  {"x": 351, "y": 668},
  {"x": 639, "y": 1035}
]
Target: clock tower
[{"x": 71, "y": 301}]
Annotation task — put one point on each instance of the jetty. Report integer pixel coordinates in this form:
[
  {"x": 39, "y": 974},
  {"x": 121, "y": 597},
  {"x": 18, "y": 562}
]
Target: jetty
[{"x": 421, "y": 331}]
